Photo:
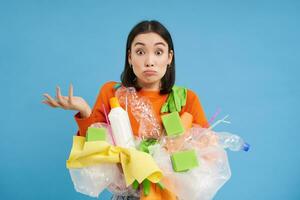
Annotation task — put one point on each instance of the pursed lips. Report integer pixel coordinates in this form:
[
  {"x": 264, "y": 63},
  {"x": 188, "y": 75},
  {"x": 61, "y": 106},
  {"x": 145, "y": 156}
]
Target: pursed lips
[{"x": 150, "y": 71}]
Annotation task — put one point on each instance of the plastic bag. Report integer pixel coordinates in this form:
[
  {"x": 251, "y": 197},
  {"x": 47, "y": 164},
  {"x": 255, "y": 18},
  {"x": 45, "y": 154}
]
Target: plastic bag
[
  {"x": 118, "y": 187},
  {"x": 93, "y": 180},
  {"x": 208, "y": 178}
]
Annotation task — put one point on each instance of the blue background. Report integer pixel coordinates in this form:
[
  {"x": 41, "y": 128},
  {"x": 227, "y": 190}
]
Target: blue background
[{"x": 242, "y": 57}]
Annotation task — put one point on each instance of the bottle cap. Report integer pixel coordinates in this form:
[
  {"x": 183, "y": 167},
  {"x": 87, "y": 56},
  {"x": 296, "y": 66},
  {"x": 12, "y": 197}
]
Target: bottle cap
[
  {"x": 246, "y": 146},
  {"x": 114, "y": 102}
]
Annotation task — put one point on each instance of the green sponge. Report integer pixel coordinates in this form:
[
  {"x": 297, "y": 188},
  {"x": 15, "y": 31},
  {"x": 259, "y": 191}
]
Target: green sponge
[
  {"x": 184, "y": 160},
  {"x": 172, "y": 124},
  {"x": 95, "y": 134}
]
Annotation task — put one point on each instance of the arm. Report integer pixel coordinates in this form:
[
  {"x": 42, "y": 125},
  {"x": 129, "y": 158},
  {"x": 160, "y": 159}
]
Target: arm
[{"x": 194, "y": 107}]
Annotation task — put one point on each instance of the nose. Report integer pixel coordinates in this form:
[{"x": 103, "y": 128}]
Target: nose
[
  {"x": 149, "y": 65},
  {"x": 149, "y": 62}
]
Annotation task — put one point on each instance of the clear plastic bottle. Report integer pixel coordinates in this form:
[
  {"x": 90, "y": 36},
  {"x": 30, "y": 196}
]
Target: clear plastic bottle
[
  {"x": 233, "y": 142},
  {"x": 120, "y": 124}
]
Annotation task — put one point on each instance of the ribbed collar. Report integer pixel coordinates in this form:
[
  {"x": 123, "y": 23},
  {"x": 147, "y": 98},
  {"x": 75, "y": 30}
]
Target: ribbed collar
[{"x": 151, "y": 93}]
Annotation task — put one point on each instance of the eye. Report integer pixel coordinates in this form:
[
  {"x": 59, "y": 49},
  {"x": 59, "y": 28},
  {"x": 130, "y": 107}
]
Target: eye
[
  {"x": 140, "y": 52},
  {"x": 158, "y": 52}
]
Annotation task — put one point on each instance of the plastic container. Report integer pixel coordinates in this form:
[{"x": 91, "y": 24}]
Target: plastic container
[
  {"x": 120, "y": 125},
  {"x": 231, "y": 141}
]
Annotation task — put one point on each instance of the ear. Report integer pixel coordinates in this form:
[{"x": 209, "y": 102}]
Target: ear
[{"x": 170, "y": 57}]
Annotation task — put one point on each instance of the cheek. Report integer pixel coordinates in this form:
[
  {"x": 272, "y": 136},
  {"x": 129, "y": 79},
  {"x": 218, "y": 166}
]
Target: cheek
[
  {"x": 163, "y": 71},
  {"x": 137, "y": 60},
  {"x": 136, "y": 71},
  {"x": 163, "y": 61}
]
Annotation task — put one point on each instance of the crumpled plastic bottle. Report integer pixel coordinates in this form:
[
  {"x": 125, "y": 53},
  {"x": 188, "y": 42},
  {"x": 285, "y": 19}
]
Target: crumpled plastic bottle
[
  {"x": 142, "y": 111},
  {"x": 232, "y": 142}
]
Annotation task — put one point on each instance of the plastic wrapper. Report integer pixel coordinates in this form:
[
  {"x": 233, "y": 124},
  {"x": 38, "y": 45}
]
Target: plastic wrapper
[
  {"x": 118, "y": 187},
  {"x": 142, "y": 111},
  {"x": 196, "y": 137},
  {"x": 211, "y": 174},
  {"x": 93, "y": 180}
]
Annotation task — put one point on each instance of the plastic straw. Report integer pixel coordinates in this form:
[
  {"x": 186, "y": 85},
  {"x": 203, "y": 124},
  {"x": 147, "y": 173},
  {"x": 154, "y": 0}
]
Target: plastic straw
[
  {"x": 107, "y": 121},
  {"x": 126, "y": 102},
  {"x": 220, "y": 121},
  {"x": 105, "y": 113},
  {"x": 214, "y": 116}
]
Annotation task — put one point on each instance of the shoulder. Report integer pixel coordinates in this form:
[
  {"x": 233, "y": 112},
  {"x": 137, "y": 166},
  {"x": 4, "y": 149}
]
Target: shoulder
[
  {"x": 192, "y": 97},
  {"x": 109, "y": 86},
  {"x": 108, "y": 89},
  {"x": 191, "y": 94}
]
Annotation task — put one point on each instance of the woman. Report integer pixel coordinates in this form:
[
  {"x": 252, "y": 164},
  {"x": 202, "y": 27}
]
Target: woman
[{"x": 150, "y": 69}]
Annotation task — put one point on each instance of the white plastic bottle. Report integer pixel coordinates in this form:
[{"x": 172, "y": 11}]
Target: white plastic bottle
[
  {"x": 120, "y": 124},
  {"x": 233, "y": 142}
]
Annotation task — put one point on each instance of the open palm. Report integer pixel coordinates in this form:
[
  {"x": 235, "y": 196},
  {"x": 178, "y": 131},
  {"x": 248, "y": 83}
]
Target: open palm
[{"x": 69, "y": 102}]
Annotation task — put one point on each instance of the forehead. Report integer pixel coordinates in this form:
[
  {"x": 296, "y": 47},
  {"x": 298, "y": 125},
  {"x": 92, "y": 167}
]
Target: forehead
[{"x": 149, "y": 39}]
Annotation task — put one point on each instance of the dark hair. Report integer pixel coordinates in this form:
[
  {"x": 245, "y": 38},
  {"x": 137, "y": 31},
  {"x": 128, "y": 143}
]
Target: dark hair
[{"x": 128, "y": 77}]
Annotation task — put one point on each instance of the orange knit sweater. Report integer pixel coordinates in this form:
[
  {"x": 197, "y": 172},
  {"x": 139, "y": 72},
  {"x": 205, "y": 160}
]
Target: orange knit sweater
[{"x": 193, "y": 106}]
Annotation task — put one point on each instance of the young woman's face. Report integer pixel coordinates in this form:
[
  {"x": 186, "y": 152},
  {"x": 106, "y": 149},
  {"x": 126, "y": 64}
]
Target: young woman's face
[{"x": 149, "y": 57}]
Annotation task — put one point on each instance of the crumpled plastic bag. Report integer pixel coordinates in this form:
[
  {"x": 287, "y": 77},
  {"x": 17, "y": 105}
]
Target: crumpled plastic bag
[
  {"x": 93, "y": 180},
  {"x": 202, "y": 182}
]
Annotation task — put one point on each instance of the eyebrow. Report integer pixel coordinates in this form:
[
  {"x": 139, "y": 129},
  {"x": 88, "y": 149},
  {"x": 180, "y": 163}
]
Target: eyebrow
[{"x": 158, "y": 43}]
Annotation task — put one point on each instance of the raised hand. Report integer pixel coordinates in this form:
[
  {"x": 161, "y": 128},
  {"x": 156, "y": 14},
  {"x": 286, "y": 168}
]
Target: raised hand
[{"x": 69, "y": 102}]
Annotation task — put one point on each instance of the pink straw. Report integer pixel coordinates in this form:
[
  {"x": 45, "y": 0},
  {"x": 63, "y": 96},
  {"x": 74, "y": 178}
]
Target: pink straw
[
  {"x": 105, "y": 113},
  {"x": 214, "y": 116},
  {"x": 107, "y": 121}
]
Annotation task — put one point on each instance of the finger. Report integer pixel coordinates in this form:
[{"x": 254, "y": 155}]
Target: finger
[
  {"x": 49, "y": 103},
  {"x": 59, "y": 97},
  {"x": 71, "y": 93},
  {"x": 51, "y": 100},
  {"x": 58, "y": 93}
]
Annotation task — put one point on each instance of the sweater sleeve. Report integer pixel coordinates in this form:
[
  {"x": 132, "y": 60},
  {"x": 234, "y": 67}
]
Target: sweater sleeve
[
  {"x": 194, "y": 107},
  {"x": 97, "y": 115}
]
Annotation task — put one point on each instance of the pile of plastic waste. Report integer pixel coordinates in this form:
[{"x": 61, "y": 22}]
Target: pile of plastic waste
[{"x": 110, "y": 157}]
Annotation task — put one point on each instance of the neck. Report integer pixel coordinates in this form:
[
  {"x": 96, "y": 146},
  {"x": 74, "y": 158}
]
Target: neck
[{"x": 150, "y": 86}]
